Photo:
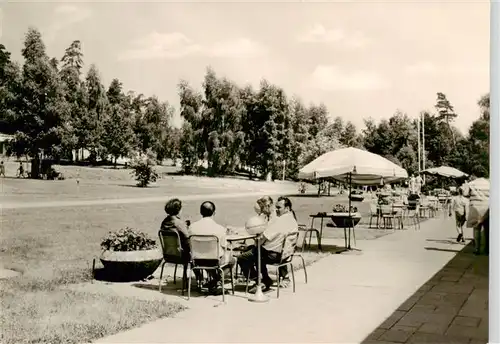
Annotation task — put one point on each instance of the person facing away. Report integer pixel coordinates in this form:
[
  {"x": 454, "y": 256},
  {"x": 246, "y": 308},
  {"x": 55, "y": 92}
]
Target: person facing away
[
  {"x": 478, "y": 191},
  {"x": 20, "y": 170},
  {"x": 271, "y": 241},
  {"x": 264, "y": 208},
  {"x": 174, "y": 223},
  {"x": 458, "y": 206},
  {"x": 207, "y": 226},
  {"x": 2, "y": 169}
]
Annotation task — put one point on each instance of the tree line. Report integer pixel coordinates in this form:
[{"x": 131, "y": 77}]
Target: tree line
[{"x": 52, "y": 109}]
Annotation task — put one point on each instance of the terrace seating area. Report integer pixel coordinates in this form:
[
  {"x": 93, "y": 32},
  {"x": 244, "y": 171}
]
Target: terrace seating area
[
  {"x": 393, "y": 211},
  {"x": 204, "y": 258}
]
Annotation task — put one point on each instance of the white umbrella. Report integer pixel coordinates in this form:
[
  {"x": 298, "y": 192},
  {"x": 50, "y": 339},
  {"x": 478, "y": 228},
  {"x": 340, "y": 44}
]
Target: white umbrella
[
  {"x": 445, "y": 171},
  {"x": 355, "y": 166}
]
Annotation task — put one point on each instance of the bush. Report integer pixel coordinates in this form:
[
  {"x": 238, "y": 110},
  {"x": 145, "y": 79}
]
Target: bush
[
  {"x": 144, "y": 172},
  {"x": 128, "y": 239},
  {"x": 340, "y": 208}
]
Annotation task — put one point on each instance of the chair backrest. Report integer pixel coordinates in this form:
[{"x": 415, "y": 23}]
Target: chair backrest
[
  {"x": 373, "y": 208},
  {"x": 289, "y": 245},
  {"x": 405, "y": 199},
  {"x": 171, "y": 245},
  {"x": 204, "y": 247},
  {"x": 386, "y": 209}
]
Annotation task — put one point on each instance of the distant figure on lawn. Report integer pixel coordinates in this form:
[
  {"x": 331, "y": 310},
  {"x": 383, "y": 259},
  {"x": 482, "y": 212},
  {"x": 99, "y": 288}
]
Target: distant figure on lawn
[
  {"x": 2, "y": 169},
  {"x": 458, "y": 206},
  {"x": 20, "y": 171},
  {"x": 207, "y": 226}
]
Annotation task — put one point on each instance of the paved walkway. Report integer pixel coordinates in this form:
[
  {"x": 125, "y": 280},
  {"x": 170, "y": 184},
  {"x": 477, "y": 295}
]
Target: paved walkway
[
  {"x": 347, "y": 297},
  {"x": 452, "y": 307}
]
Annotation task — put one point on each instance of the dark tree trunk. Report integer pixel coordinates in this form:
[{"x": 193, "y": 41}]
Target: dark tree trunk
[{"x": 35, "y": 167}]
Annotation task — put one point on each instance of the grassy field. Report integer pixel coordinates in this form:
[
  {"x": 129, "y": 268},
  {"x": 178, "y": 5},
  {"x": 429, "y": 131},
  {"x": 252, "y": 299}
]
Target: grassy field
[
  {"x": 54, "y": 247},
  {"x": 110, "y": 183}
]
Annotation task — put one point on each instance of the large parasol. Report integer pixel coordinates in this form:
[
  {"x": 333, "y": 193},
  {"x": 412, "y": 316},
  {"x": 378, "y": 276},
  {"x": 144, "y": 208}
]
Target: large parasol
[
  {"x": 445, "y": 171},
  {"x": 355, "y": 166}
]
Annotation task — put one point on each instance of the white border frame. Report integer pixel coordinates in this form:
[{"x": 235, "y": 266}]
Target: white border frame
[{"x": 494, "y": 266}]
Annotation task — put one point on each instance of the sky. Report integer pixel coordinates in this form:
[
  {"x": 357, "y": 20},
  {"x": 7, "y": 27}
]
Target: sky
[{"x": 360, "y": 58}]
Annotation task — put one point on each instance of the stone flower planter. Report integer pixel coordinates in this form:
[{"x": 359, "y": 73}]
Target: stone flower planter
[
  {"x": 130, "y": 265},
  {"x": 341, "y": 222},
  {"x": 357, "y": 198}
]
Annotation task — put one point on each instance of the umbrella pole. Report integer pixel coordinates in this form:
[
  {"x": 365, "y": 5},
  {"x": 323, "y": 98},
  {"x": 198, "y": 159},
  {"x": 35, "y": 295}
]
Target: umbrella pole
[
  {"x": 349, "y": 220},
  {"x": 350, "y": 189}
]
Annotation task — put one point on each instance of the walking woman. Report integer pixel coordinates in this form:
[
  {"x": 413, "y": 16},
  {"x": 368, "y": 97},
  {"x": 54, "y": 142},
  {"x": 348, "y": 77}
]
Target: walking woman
[{"x": 458, "y": 206}]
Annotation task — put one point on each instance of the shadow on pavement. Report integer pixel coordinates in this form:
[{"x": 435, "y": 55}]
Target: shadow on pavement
[
  {"x": 451, "y": 307},
  {"x": 441, "y": 249},
  {"x": 325, "y": 248},
  {"x": 311, "y": 195},
  {"x": 103, "y": 275}
]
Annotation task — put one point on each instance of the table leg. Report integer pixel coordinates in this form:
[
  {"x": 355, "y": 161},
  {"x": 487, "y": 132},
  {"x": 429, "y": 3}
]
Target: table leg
[
  {"x": 320, "y": 235},
  {"x": 349, "y": 241},
  {"x": 345, "y": 241},
  {"x": 259, "y": 295},
  {"x": 354, "y": 235},
  {"x": 310, "y": 233}
]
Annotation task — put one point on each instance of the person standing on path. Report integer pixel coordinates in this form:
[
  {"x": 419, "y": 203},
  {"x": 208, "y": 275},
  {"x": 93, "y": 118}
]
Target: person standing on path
[
  {"x": 2, "y": 169},
  {"x": 458, "y": 206},
  {"x": 20, "y": 170},
  {"x": 478, "y": 192}
]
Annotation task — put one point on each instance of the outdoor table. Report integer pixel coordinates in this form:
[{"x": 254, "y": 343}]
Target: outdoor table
[
  {"x": 232, "y": 238},
  {"x": 340, "y": 220},
  {"x": 259, "y": 295}
]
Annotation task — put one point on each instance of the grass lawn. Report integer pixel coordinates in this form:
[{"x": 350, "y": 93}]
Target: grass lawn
[
  {"x": 109, "y": 183},
  {"x": 54, "y": 247}
]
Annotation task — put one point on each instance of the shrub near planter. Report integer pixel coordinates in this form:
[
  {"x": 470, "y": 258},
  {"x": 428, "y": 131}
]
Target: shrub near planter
[{"x": 129, "y": 255}]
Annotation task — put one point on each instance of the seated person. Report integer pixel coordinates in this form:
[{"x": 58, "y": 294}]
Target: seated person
[
  {"x": 174, "y": 223},
  {"x": 271, "y": 242},
  {"x": 264, "y": 207},
  {"x": 207, "y": 226}
]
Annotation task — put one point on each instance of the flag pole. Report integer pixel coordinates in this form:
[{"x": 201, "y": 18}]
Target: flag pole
[
  {"x": 418, "y": 135},
  {"x": 423, "y": 143}
]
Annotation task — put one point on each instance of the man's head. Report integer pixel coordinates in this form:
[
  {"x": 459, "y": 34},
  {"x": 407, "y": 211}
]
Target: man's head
[
  {"x": 283, "y": 206},
  {"x": 207, "y": 209},
  {"x": 173, "y": 207}
]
